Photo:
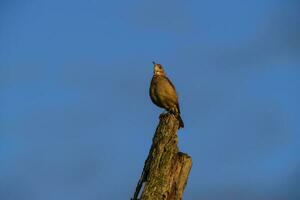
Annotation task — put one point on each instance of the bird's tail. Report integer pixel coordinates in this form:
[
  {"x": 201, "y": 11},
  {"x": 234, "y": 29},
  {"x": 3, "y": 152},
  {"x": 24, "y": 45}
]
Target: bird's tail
[{"x": 181, "y": 124}]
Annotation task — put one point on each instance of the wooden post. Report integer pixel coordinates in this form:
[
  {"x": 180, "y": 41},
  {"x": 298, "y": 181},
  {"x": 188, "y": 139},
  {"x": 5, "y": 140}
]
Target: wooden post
[{"x": 166, "y": 170}]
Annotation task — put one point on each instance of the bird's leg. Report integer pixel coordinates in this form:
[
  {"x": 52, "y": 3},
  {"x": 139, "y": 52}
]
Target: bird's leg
[{"x": 173, "y": 111}]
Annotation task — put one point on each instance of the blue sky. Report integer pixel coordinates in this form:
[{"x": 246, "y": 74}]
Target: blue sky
[{"x": 76, "y": 121}]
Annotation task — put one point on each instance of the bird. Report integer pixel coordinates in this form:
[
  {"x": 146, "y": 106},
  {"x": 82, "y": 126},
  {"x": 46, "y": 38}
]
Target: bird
[{"x": 163, "y": 93}]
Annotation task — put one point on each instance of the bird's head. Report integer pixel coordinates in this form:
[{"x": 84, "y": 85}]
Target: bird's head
[{"x": 158, "y": 69}]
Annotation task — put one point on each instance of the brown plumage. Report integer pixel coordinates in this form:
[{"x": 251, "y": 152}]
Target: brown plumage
[{"x": 163, "y": 93}]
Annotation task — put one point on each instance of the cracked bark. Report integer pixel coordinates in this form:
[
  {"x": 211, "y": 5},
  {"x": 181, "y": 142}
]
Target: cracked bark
[{"x": 166, "y": 170}]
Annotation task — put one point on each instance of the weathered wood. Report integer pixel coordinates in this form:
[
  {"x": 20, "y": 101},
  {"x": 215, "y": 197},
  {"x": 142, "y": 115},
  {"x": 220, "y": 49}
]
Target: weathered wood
[{"x": 166, "y": 170}]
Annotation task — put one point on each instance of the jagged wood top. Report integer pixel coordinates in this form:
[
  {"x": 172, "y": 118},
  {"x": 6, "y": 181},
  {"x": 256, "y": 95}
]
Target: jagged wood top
[{"x": 166, "y": 169}]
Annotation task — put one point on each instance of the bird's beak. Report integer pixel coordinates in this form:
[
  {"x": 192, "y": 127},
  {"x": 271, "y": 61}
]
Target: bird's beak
[{"x": 153, "y": 62}]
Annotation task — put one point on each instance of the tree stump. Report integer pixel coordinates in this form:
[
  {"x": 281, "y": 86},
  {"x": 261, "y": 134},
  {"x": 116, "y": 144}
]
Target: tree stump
[{"x": 166, "y": 170}]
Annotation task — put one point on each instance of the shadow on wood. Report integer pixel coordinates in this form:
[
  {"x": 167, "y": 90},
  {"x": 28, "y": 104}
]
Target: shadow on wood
[{"x": 166, "y": 170}]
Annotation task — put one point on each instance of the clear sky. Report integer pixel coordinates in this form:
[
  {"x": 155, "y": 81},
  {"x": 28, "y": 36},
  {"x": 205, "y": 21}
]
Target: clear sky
[{"x": 76, "y": 121}]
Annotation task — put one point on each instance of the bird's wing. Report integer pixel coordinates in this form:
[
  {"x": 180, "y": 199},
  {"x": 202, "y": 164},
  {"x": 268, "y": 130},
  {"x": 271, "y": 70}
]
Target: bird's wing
[
  {"x": 175, "y": 93},
  {"x": 170, "y": 83}
]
